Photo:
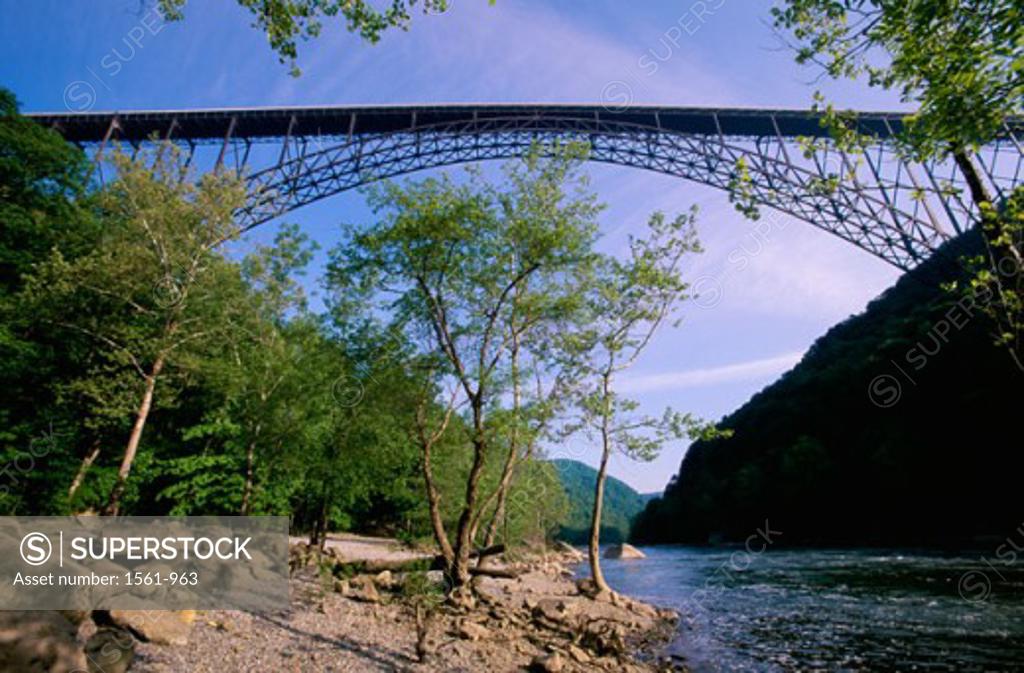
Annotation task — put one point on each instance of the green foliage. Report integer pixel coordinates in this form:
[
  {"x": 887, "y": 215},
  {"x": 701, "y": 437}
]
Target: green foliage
[
  {"x": 961, "y": 62},
  {"x": 43, "y": 208},
  {"x": 285, "y": 22},
  {"x": 626, "y": 303},
  {"x": 164, "y": 375},
  {"x": 471, "y": 276}
]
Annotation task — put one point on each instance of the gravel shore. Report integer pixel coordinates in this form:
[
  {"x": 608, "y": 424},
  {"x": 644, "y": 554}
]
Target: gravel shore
[{"x": 537, "y": 621}]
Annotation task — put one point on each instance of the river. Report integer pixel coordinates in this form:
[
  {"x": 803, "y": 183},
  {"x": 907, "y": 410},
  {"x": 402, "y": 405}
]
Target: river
[{"x": 853, "y": 610}]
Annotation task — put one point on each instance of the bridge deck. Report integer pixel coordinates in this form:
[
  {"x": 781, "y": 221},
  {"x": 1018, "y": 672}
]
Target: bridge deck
[{"x": 272, "y": 123}]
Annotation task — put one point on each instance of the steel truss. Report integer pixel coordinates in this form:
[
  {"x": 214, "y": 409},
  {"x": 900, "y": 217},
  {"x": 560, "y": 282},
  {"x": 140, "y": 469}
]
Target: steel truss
[{"x": 898, "y": 210}]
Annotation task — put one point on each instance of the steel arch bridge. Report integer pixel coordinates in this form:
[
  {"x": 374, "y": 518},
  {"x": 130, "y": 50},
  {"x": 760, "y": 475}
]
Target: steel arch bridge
[{"x": 899, "y": 210}]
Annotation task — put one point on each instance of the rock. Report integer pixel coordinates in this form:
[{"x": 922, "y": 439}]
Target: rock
[
  {"x": 643, "y": 609},
  {"x": 553, "y": 610},
  {"x": 110, "y": 650},
  {"x": 623, "y": 551},
  {"x": 579, "y": 654},
  {"x": 342, "y": 587},
  {"x": 163, "y": 627},
  {"x": 384, "y": 580},
  {"x": 363, "y": 589},
  {"x": 569, "y": 551},
  {"x": 473, "y": 632},
  {"x": 586, "y": 587},
  {"x": 548, "y": 663},
  {"x": 39, "y": 642},
  {"x": 604, "y": 638}
]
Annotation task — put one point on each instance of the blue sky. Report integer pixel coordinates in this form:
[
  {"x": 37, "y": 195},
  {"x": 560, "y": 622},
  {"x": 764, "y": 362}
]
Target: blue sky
[{"x": 775, "y": 285}]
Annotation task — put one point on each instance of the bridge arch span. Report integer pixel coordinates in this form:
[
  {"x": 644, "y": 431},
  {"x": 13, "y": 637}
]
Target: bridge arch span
[{"x": 897, "y": 210}]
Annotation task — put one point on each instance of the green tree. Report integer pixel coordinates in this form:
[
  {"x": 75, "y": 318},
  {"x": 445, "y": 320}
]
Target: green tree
[
  {"x": 448, "y": 260},
  {"x": 962, "y": 63},
  {"x": 43, "y": 206},
  {"x": 627, "y": 302},
  {"x": 267, "y": 365},
  {"x": 147, "y": 294}
]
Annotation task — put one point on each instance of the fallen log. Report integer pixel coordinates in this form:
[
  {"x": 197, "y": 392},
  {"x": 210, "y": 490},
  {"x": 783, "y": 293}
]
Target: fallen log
[
  {"x": 494, "y": 572},
  {"x": 364, "y": 567},
  {"x": 488, "y": 551}
]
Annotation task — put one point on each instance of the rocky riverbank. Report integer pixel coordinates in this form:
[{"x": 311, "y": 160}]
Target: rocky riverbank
[{"x": 537, "y": 619}]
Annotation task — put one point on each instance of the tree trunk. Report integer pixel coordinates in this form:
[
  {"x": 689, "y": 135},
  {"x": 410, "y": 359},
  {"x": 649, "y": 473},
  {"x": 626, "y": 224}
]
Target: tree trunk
[
  {"x": 250, "y": 460},
  {"x": 87, "y": 462},
  {"x": 321, "y": 525},
  {"x": 427, "y": 439},
  {"x": 602, "y": 473},
  {"x": 460, "y": 574},
  {"x": 114, "y": 503},
  {"x": 513, "y": 452},
  {"x": 434, "y": 504},
  {"x": 1006, "y": 277},
  {"x": 314, "y": 534}
]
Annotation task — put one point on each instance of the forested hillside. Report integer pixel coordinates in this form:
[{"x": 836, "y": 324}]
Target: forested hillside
[
  {"x": 896, "y": 428},
  {"x": 621, "y": 504}
]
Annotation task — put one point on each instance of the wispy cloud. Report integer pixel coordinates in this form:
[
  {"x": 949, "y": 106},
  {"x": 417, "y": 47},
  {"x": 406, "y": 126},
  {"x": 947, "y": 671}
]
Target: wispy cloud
[{"x": 692, "y": 378}]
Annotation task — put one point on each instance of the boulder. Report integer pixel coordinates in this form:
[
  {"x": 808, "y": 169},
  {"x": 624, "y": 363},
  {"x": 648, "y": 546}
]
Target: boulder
[
  {"x": 163, "y": 627},
  {"x": 623, "y": 551},
  {"x": 38, "y": 642}
]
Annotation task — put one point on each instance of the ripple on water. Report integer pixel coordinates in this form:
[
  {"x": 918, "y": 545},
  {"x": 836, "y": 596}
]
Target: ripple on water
[{"x": 831, "y": 610}]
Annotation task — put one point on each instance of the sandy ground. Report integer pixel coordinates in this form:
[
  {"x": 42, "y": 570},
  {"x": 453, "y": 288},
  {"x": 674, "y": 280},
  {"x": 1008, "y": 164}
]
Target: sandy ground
[
  {"x": 515, "y": 622},
  {"x": 353, "y": 547}
]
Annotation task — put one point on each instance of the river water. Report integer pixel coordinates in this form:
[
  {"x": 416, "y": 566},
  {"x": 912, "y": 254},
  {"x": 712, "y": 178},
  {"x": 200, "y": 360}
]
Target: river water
[{"x": 853, "y": 610}]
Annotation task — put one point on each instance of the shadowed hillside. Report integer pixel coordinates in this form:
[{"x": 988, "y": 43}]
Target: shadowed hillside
[{"x": 896, "y": 428}]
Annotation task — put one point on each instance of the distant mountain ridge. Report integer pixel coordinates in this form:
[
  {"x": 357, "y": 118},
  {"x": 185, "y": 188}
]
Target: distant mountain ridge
[{"x": 621, "y": 503}]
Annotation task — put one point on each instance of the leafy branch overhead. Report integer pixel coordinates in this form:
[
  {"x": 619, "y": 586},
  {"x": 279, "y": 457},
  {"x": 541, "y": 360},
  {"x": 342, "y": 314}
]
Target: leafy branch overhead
[
  {"x": 286, "y": 22},
  {"x": 961, "y": 64}
]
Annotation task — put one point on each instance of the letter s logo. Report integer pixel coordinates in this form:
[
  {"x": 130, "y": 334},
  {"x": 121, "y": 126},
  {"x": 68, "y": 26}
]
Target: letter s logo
[{"x": 36, "y": 549}]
